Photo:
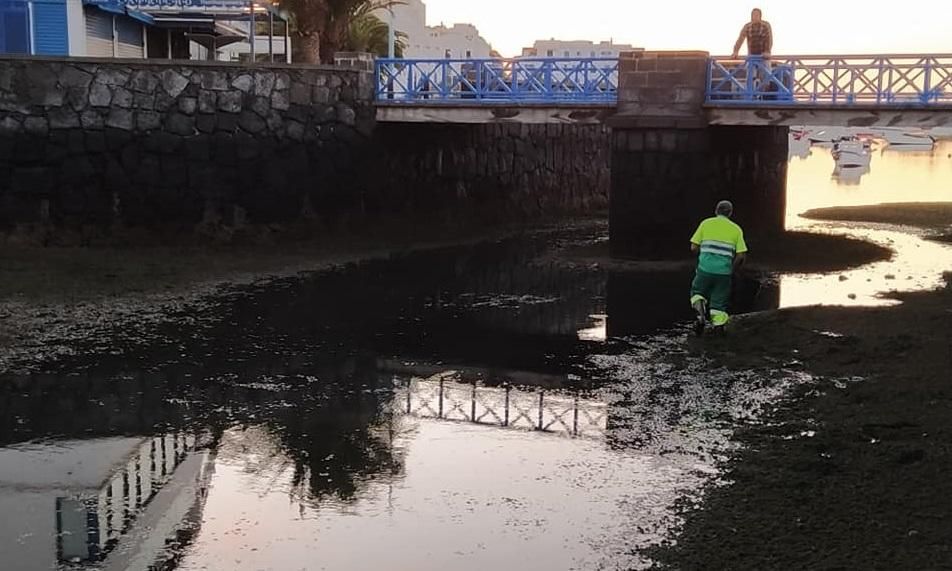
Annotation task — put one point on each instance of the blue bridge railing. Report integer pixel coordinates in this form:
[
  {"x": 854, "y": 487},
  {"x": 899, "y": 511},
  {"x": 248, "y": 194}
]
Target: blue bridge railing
[
  {"x": 811, "y": 81},
  {"x": 835, "y": 81},
  {"x": 591, "y": 81}
]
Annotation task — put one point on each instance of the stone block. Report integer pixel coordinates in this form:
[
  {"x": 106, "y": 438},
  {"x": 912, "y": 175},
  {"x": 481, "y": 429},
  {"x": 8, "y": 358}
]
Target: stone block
[
  {"x": 143, "y": 81},
  {"x": 229, "y": 101},
  {"x": 325, "y": 114},
  {"x": 282, "y": 81},
  {"x": 261, "y": 106},
  {"x": 207, "y": 101},
  {"x": 206, "y": 123},
  {"x": 244, "y": 83},
  {"x": 226, "y": 122},
  {"x": 180, "y": 124},
  {"x": 213, "y": 80},
  {"x": 148, "y": 120},
  {"x": 100, "y": 95},
  {"x": 77, "y": 98},
  {"x": 163, "y": 102},
  {"x": 631, "y": 80},
  {"x": 73, "y": 77},
  {"x": 264, "y": 83},
  {"x": 63, "y": 118},
  {"x": 322, "y": 95},
  {"x": 173, "y": 82},
  {"x": 346, "y": 115},
  {"x": 666, "y": 79},
  {"x": 188, "y": 105},
  {"x": 112, "y": 77},
  {"x": 122, "y": 119},
  {"x": 300, "y": 94},
  {"x": 92, "y": 119},
  {"x": 687, "y": 95},
  {"x": 121, "y": 98},
  {"x": 295, "y": 131},
  {"x": 275, "y": 122},
  {"x": 252, "y": 122},
  {"x": 144, "y": 101},
  {"x": 6, "y": 78},
  {"x": 280, "y": 100},
  {"x": 37, "y": 126},
  {"x": 40, "y": 87}
]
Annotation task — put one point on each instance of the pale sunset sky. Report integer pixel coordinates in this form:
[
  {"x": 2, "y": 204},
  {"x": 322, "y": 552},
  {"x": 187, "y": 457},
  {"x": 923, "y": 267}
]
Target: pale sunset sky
[{"x": 800, "y": 26}]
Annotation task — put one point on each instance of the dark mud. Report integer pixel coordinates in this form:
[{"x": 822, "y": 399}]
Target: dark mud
[
  {"x": 51, "y": 299},
  {"x": 794, "y": 252},
  {"x": 849, "y": 473}
]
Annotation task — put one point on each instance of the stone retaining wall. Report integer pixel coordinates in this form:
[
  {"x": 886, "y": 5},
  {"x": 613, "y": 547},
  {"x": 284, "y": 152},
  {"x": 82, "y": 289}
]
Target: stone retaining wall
[
  {"x": 502, "y": 171},
  {"x": 99, "y": 150},
  {"x": 114, "y": 144}
]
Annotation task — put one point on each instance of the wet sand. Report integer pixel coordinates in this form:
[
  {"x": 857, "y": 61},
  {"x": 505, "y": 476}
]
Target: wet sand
[{"x": 851, "y": 472}]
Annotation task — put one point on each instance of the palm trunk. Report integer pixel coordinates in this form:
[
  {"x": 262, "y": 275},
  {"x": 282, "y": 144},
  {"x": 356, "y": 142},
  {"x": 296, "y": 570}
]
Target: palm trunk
[{"x": 307, "y": 48}]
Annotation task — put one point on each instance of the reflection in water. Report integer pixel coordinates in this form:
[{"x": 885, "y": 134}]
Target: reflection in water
[
  {"x": 450, "y": 396},
  {"x": 114, "y": 502},
  {"x": 897, "y": 176}
]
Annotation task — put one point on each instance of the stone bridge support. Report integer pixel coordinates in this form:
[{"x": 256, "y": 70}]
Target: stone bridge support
[{"x": 669, "y": 167}]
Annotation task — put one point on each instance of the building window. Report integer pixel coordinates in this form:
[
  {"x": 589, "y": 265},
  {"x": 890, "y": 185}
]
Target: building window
[
  {"x": 550, "y": 53},
  {"x": 469, "y": 53},
  {"x": 567, "y": 53},
  {"x": 593, "y": 54}
]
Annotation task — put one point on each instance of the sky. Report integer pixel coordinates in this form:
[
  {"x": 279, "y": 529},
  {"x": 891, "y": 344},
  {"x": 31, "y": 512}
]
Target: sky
[{"x": 801, "y": 27}]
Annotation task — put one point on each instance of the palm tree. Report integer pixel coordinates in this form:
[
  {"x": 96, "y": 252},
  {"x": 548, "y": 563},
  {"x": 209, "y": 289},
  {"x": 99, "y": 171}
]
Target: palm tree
[
  {"x": 369, "y": 34},
  {"x": 321, "y": 27}
]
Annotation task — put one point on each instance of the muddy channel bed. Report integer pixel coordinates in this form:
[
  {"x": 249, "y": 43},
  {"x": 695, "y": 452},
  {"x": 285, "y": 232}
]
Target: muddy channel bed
[{"x": 849, "y": 473}]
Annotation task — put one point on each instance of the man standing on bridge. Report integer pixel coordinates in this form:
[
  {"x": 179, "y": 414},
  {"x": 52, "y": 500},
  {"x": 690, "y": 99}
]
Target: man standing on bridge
[
  {"x": 758, "y": 34},
  {"x": 722, "y": 249}
]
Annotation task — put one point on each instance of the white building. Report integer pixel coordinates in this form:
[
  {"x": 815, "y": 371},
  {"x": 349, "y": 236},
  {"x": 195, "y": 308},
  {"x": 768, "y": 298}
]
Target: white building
[
  {"x": 575, "y": 49},
  {"x": 423, "y": 42}
]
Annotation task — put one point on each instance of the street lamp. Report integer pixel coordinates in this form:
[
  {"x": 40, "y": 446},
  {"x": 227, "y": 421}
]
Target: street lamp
[{"x": 391, "y": 36}]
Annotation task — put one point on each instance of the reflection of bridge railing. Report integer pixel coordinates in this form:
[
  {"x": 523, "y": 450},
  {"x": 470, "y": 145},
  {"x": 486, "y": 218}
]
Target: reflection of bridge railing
[
  {"x": 443, "y": 398},
  {"x": 504, "y": 81},
  {"x": 90, "y": 526},
  {"x": 880, "y": 80}
]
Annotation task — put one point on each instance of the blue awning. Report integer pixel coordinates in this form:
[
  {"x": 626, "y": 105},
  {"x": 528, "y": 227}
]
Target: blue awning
[
  {"x": 112, "y": 6},
  {"x": 141, "y": 16}
]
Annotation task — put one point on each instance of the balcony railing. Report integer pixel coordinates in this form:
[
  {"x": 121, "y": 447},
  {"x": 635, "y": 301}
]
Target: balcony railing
[{"x": 497, "y": 81}]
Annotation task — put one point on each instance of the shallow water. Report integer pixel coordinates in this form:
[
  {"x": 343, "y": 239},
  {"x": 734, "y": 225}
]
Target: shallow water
[
  {"x": 460, "y": 409},
  {"x": 894, "y": 176}
]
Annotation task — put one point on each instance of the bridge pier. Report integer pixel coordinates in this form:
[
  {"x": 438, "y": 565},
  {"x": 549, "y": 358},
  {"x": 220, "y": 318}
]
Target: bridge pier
[{"x": 669, "y": 167}]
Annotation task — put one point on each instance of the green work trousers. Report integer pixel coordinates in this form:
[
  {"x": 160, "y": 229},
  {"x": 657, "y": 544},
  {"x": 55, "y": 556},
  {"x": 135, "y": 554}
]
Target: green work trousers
[{"x": 714, "y": 288}]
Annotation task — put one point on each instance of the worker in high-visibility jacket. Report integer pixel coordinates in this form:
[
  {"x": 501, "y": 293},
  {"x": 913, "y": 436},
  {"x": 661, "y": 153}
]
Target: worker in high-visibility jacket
[{"x": 721, "y": 247}]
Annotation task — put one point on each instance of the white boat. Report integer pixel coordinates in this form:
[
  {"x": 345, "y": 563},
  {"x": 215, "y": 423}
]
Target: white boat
[
  {"x": 896, "y": 137},
  {"x": 852, "y": 153}
]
